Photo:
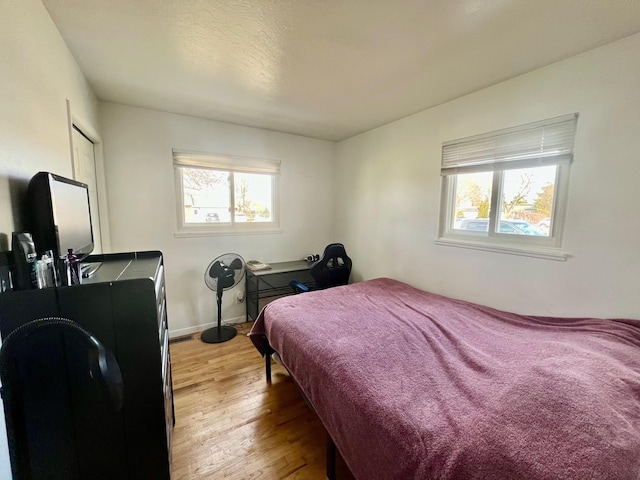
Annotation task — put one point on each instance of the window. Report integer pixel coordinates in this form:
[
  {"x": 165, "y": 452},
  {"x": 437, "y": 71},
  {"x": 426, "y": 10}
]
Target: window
[
  {"x": 225, "y": 194},
  {"x": 506, "y": 190}
]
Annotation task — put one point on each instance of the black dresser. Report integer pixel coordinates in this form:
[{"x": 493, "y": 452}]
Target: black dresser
[{"x": 67, "y": 433}]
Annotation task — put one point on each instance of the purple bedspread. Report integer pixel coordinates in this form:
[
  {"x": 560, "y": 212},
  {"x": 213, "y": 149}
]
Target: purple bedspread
[{"x": 413, "y": 385}]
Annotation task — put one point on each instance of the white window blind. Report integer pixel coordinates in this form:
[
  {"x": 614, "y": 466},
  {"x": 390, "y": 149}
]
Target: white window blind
[
  {"x": 535, "y": 144},
  {"x": 227, "y": 163}
]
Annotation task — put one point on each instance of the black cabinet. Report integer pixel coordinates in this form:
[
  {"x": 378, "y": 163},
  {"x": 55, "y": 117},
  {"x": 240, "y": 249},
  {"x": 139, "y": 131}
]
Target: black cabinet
[{"x": 123, "y": 305}]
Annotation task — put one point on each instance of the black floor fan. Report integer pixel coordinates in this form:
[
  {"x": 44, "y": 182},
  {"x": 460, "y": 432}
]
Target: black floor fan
[{"x": 223, "y": 273}]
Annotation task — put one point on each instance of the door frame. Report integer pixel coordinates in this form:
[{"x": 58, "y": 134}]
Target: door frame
[{"x": 92, "y": 134}]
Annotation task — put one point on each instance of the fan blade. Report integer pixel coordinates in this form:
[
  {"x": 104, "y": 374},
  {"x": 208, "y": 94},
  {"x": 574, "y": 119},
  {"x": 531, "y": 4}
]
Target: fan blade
[
  {"x": 227, "y": 281},
  {"x": 216, "y": 270},
  {"x": 236, "y": 264}
]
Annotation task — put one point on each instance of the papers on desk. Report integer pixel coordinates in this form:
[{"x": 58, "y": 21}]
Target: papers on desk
[{"x": 255, "y": 265}]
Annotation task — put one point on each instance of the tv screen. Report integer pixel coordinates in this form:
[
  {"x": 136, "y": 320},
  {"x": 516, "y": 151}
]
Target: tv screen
[{"x": 60, "y": 215}]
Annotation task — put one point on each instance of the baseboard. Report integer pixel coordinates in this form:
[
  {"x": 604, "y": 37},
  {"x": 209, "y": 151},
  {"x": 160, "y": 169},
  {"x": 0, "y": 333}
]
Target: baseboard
[{"x": 198, "y": 328}]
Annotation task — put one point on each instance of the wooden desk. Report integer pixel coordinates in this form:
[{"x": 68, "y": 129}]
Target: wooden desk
[{"x": 264, "y": 286}]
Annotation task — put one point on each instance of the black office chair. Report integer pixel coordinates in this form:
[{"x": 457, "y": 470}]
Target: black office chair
[{"x": 333, "y": 269}]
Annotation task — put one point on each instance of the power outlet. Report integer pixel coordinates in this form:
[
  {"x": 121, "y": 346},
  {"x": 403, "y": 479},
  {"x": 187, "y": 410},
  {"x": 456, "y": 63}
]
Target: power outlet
[{"x": 239, "y": 297}]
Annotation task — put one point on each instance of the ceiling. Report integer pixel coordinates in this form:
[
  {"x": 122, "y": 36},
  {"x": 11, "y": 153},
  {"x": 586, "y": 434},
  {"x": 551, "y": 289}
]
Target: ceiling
[{"x": 328, "y": 69}]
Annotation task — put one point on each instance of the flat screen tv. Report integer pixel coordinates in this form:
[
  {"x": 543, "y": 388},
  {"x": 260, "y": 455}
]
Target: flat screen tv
[{"x": 60, "y": 216}]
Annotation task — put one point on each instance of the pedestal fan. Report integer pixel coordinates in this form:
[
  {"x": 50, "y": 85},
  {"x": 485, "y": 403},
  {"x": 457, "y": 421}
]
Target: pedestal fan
[{"x": 223, "y": 273}]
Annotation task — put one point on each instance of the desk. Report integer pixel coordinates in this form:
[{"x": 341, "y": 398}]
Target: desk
[{"x": 264, "y": 286}]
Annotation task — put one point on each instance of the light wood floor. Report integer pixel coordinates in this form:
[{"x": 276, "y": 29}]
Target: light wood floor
[{"x": 231, "y": 424}]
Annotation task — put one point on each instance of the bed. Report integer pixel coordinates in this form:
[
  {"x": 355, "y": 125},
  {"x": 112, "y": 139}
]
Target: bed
[{"x": 411, "y": 384}]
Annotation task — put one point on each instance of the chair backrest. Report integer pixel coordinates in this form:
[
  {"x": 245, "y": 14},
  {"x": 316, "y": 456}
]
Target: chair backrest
[{"x": 333, "y": 268}]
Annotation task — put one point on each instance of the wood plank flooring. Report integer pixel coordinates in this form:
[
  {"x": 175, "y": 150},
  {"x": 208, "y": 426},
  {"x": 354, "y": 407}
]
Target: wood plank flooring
[{"x": 231, "y": 424}]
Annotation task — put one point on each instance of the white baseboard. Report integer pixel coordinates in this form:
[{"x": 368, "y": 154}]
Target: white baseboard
[{"x": 181, "y": 332}]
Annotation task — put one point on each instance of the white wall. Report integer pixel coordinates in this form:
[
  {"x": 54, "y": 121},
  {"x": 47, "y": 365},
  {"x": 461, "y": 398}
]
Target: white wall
[
  {"x": 142, "y": 201},
  {"x": 389, "y": 179},
  {"x": 37, "y": 76}
]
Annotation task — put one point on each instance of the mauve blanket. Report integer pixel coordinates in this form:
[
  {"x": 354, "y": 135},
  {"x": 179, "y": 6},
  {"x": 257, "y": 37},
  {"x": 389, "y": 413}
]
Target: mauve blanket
[{"x": 413, "y": 385}]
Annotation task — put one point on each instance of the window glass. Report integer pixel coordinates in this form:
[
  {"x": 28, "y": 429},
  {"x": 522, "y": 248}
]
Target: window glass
[
  {"x": 472, "y": 201},
  {"x": 207, "y": 196},
  {"x": 253, "y": 197},
  {"x": 527, "y": 200}
]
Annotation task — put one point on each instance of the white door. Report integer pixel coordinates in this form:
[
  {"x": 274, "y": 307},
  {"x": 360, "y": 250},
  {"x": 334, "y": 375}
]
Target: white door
[{"x": 84, "y": 167}]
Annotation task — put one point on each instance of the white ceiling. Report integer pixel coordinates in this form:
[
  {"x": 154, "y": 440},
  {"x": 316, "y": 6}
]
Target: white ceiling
[{"x": 322, "y": 68}]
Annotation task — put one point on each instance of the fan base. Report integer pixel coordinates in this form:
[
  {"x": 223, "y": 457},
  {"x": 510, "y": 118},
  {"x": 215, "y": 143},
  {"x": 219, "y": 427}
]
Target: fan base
[{"x": 218, "y": 334}]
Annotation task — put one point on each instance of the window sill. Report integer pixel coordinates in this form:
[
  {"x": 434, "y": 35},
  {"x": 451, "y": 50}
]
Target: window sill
[
  {"x": 510, "y": 249},
  {"x": 210, "y": 233}
]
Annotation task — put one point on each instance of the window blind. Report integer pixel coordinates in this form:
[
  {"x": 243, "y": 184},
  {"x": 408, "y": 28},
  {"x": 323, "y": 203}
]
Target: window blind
[
  {"x": 227, "y": 163},
  {"x": 535, "y": 144}
]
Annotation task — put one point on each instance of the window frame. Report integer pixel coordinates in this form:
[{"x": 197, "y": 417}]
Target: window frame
[
  {"x": 231, "y": 164},
  {"x": 549, "y": 247}
]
